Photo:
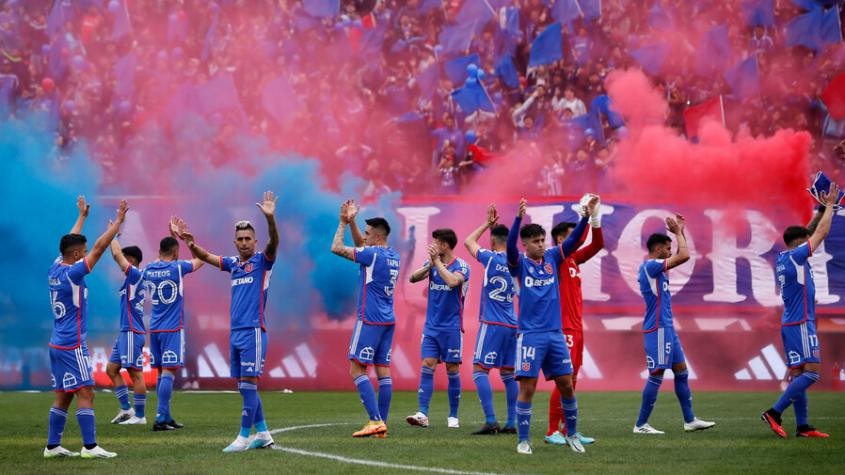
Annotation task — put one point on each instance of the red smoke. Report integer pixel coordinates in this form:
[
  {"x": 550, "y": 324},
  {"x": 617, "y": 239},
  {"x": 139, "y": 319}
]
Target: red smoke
[{"x": 655, "y": 164}]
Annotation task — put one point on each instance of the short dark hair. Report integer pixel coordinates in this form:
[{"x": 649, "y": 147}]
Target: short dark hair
[
  {"x": 795, "y": 232},
  {"x": 446, "y": 235},
  {"x": 500, "y": 232},
  {"x": 561, "y": 228},
  {"x": 168, "y": 245},
  {"x": 133, "y": 251},
  {"x": 657, "y": 239},
  {"x": 379, "y": 223},
  {"x": 70, "y": 241},
  {"x": 531, "y": 230}
]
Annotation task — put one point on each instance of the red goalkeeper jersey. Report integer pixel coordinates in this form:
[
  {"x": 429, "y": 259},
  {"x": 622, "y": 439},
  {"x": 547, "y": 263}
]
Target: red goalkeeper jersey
[{"x": 569, "y": 278}]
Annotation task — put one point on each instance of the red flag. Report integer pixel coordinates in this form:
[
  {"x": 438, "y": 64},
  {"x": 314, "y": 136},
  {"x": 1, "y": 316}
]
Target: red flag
[
  {"x": 479, "y": 155},
  {"x": 834, "y": 97},
  {"x": 713, "y": 109}
]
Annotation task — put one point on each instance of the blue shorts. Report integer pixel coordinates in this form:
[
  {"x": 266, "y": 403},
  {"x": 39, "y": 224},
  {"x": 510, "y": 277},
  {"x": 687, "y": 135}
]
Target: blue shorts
[
  {"x": 801, "y": 344},
  {"x": 167, "y": 349},
  {"x": 371, "y": 344},
  {"x": 495, "y": 346},
  {"x": 446, "y": 346},
  {"x": 70, "y": 370},
  {"x": 128, "y": 350},
  {"x": 247, "y": 350},
  {"x": 542, "y": 350},
  {"x": 663, "y": 349}
]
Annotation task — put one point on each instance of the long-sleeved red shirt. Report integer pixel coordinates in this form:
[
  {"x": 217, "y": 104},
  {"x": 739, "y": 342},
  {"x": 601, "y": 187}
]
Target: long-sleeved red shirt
[{"x": 569, "y": 278}]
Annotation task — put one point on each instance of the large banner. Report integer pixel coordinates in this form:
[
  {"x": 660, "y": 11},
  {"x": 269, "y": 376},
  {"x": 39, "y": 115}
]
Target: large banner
[{"x": 725, "y": 300}]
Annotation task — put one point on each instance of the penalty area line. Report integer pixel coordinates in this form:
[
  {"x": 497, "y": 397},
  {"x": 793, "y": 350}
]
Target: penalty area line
[{"x": 357, "y": 461}]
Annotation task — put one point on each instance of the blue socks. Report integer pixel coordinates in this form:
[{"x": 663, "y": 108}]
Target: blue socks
[
  {"x": 796, "y": 387},
  {"x": 165, "y": 392},
  {"x": 426, "y": 388},
  {"x": 368, "y": 396},
  {"x": 385, "y": 394},
  {"x": 140, "y": 405},
  {"x": 684, "y": 395},
  {"x": 801, "y": 412},
  {"x": 260, "y": 423},
  {"x": 511, "y": 392},
  {"x": 652, "y": 387},
  {"x": 523, "y": 420},
  {"x": 454, "y": 392},
  {"x": 122, "y": 395},
  {"x": 58, "y": 418},
  {"x": 485, "y": 395},
  {"x": 570, "y": 415},
  {"x": 85, "y": 417},
  {"x": 249, "y": 392}
]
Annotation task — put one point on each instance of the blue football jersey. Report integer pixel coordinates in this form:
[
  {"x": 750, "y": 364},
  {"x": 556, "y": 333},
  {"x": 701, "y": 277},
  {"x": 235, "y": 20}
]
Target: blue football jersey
[
  {"x": 496, "y": 307},
  {"x": 69, "y": 299},
  {"x": 376, "y": 282},
  {"x": 132, "y": 295},
  {"x": 250, "y": 281},
  {"x": 446, "y": 305},
  {"x": 164, "y": 282},
  {"x": 797, "y": 288},
  {"x": 654, "y": 286},
  {"x": 538, "y": 291}
]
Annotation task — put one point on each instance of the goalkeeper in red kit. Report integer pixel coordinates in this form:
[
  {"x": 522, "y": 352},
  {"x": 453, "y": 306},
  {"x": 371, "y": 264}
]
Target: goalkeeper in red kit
[{"x": 571, "y": 310}]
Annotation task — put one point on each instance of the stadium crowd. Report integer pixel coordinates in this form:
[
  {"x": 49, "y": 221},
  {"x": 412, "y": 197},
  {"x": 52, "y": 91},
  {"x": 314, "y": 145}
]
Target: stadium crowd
[{"x": 368, "y": 85}]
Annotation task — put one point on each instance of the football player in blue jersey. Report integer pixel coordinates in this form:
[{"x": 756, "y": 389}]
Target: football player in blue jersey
[
  {"x": 372, "y": 337},
  {"x": 662, "y": 345},
  {"x": 250, "y": 273},
  {"x": 70, "y": 366},
  {"x": 798, "y": 324},
  {"x": 540, "y": 341},
  {"x": 495, "y": 345},
  {"x": 442, "y": 340},
  {"x": 164, "y": 280},
  {"x": 128, "y": 351}
]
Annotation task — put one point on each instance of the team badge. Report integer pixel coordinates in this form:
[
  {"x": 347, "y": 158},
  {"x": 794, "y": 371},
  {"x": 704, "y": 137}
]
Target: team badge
[
  {"x": 548, "y": 268},
  {"x": 248, "y": 268},
  {"x": 526, "y": 366},
  {"x": 816, "y": 354}
]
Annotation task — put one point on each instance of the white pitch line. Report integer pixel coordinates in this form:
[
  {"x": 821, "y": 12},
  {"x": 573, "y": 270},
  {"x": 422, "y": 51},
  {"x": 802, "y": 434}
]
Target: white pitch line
[{"x": 370, "y": 463}]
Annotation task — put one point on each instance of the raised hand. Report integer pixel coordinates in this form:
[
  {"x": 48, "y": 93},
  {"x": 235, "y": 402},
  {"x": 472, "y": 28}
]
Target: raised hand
[
  {"x": 268, "y": 203},
  {"x": 832, "y": 196},
  {"x": 681, "y": 222},
  {"x": 492, "y": 215},
  {"x": 180, "y": 228},
  {"x": 433, "y": 254},
  {"x": 83, "y": 206},
  {"x": 523, "y": 206},
  {"x": 344, "y": 211},
  {"x": 352, "y": 210},
  {"x": 672, "y": 225},
  {"x": 173, "y": 226},
  {"x": 592, "y": 205},
  {"x": 121, "y": 211}
]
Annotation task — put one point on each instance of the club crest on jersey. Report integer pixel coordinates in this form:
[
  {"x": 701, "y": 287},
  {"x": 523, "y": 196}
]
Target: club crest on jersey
[
  {"x": 248, "y": 268},
  {"x": 548, "y": 268},
  {"x": 794, "y": 358},
  {"x": 816, "y": 354},
  {"x": 526, "y": 366}
]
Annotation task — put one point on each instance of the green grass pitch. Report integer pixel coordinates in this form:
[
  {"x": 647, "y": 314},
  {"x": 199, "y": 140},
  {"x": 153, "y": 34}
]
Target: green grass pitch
[{"x": 739, "y": 442}]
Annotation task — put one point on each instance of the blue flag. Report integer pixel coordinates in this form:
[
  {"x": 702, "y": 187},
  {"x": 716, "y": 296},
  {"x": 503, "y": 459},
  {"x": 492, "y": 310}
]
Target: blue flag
[
  {"x": 547, "y": 47},
  {"x": 506, "y": 71},
  {"x": 814, "y": 29},
  {"x": 426, "y": 6},
  {"x": 475, "y": 14},
  {"x": 427, "y": 81},
  {"x": 122, "y": 25},
  {"x": 591, "y": 9},
  {"x": 456, "y": 69},
  {"x": 659, "y": 18},
  {"x": 61, "y": 13},
  {"x": 714, "y": 52},
  {"x": 322, "y": 8},
  {"x": 758, "y": 12},
  {"x": 744, "y": 79},
  {"x": 472, "y": 97},
  {"x": 455, "y": 39},
  {"x": 651, "y": 57},
  {"x": 831, "y": 31},
  {"x": 601, "y": 105},
  {"x": 567, "y": 11}
]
